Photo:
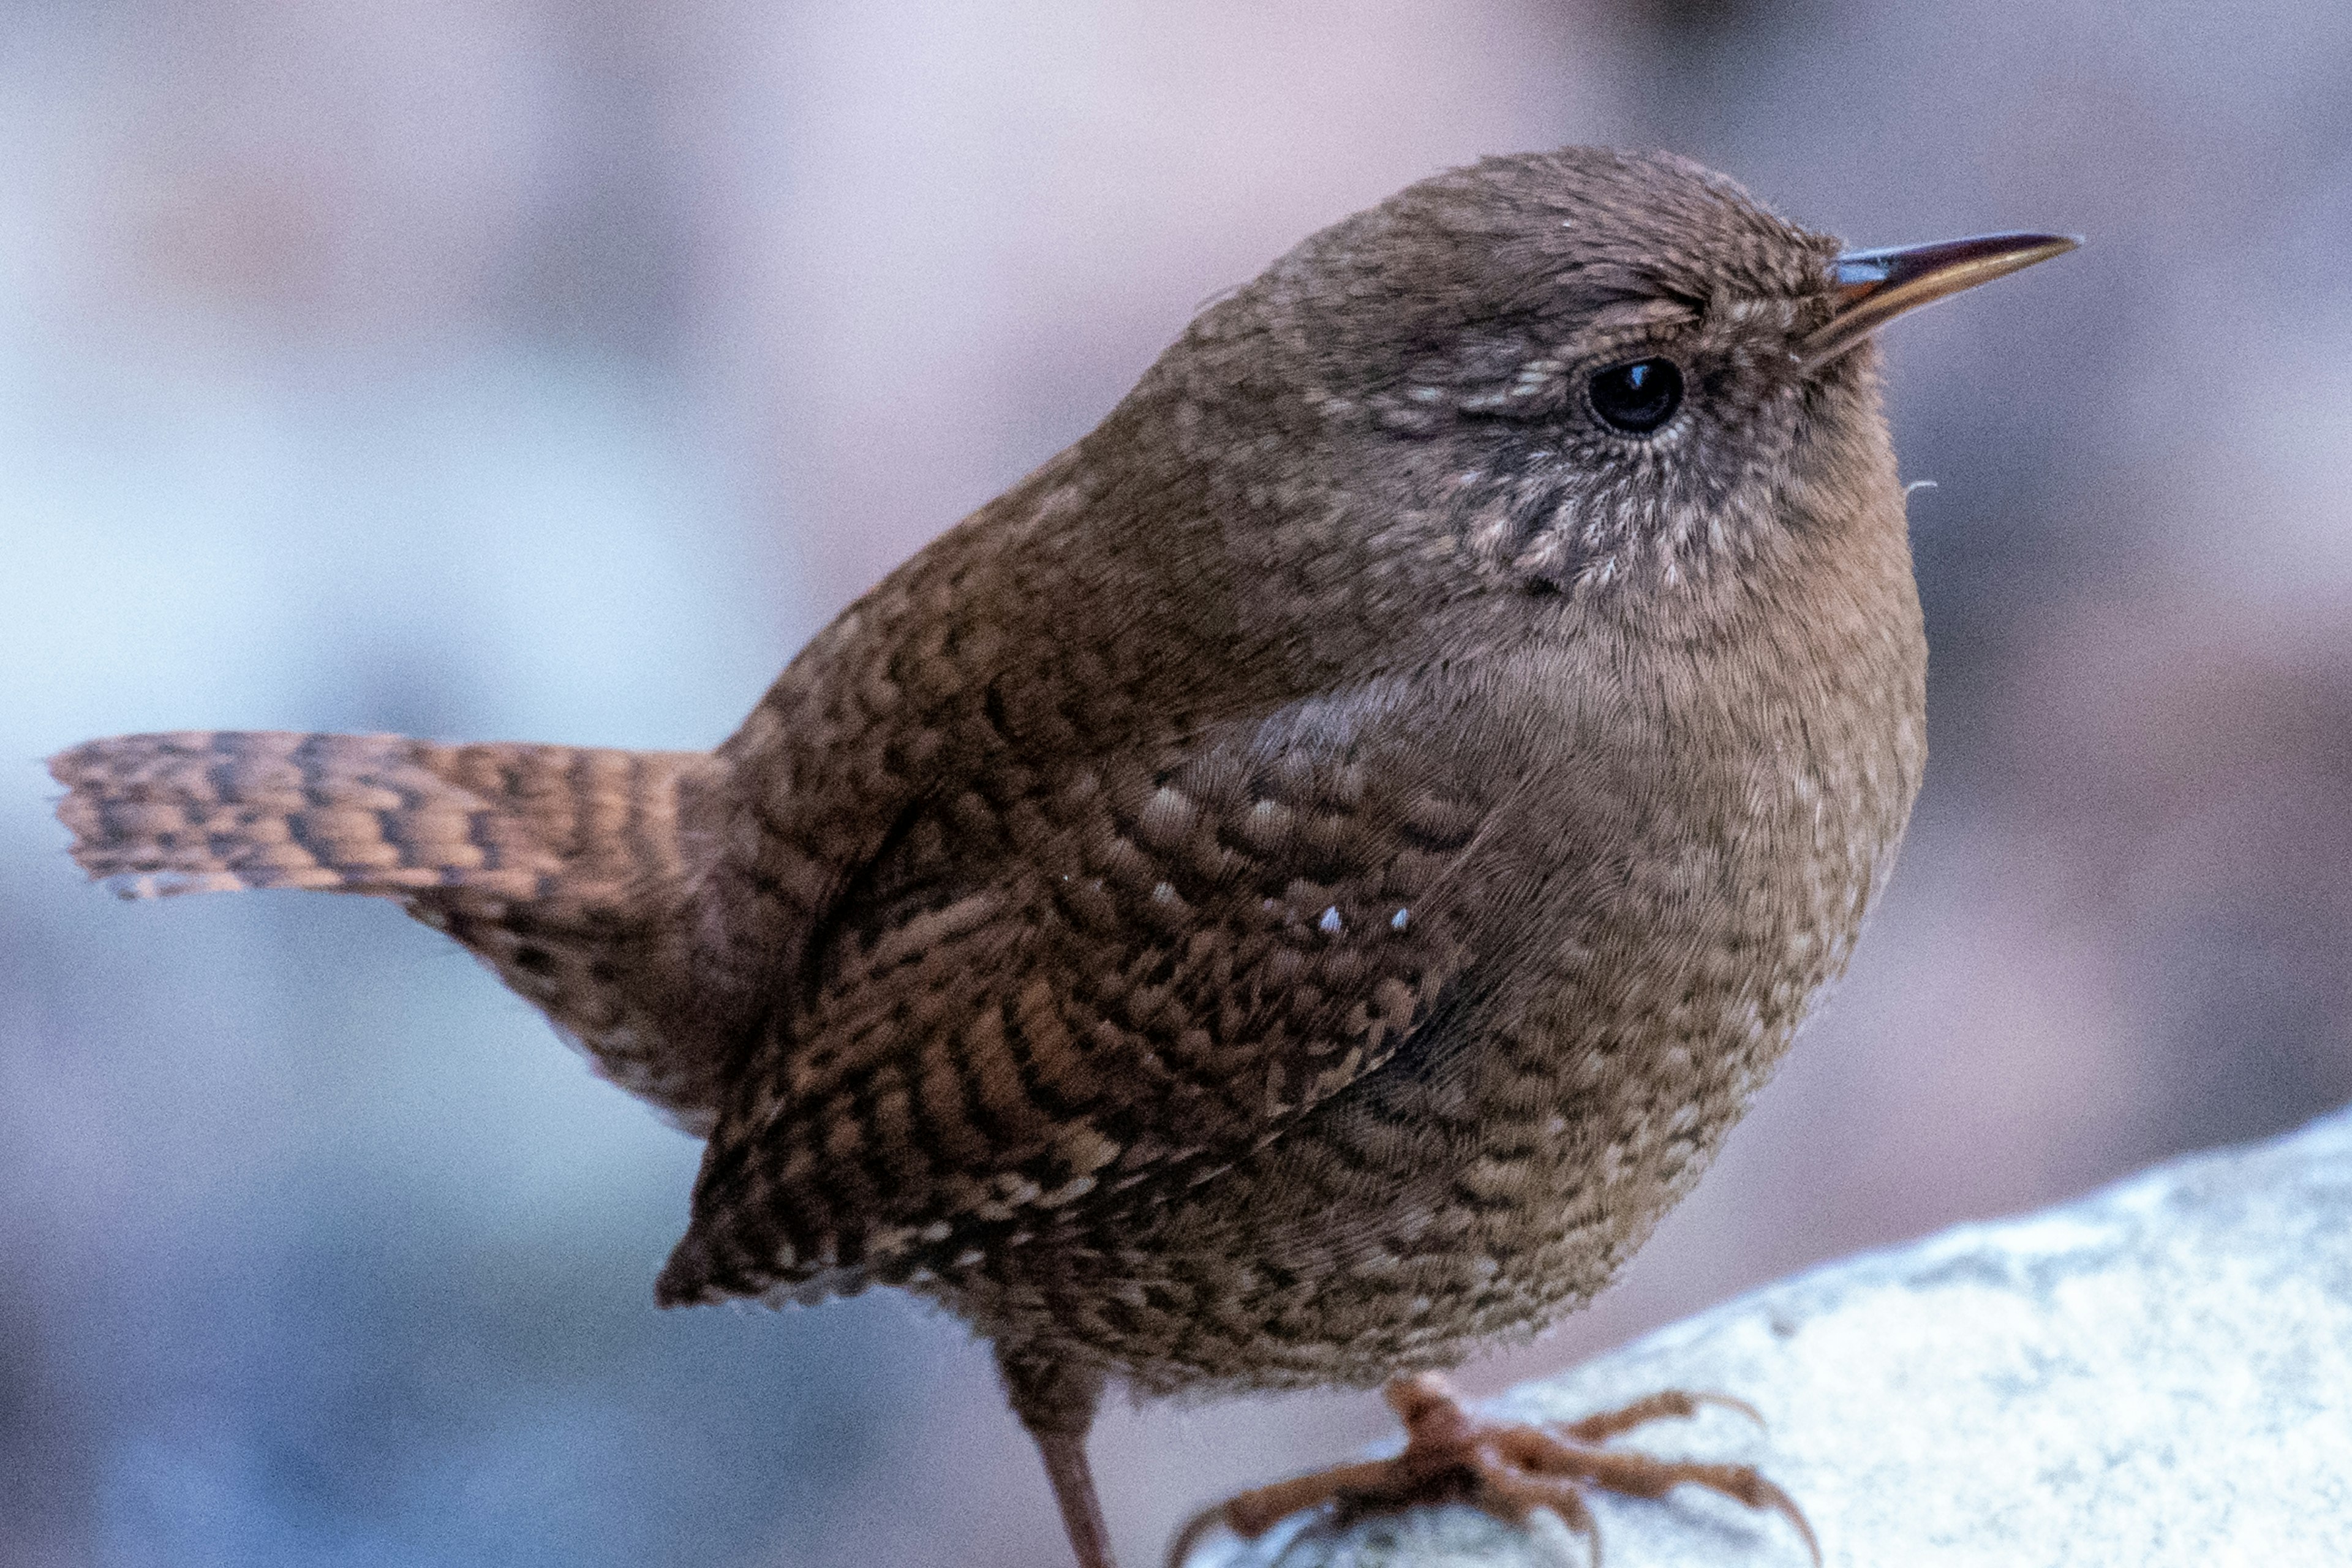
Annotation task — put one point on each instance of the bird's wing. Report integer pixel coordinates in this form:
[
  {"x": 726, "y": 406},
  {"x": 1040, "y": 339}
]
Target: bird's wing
[{"x": 1059, "y": 985}]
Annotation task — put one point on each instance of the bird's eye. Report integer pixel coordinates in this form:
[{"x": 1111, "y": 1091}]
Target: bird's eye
[{"x": 1638, "y": 397}]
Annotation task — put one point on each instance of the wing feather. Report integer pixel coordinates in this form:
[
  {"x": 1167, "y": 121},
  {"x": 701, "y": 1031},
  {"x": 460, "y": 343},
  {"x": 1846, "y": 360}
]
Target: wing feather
[{"x": 1093, "y": 982}]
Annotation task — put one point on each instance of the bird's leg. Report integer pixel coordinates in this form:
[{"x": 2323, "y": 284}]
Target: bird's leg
[
  {"x": 1507, "y": 1468},
  {"x": 1056, "y": 1401}
]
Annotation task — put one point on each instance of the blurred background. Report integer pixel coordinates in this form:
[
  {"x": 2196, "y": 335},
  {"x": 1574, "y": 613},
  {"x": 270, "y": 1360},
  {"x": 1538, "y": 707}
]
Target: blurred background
[{"x": 503, "y": 369}]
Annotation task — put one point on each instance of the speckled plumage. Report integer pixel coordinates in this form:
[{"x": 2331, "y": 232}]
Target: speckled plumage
[{"x": 1294, "y": 888}]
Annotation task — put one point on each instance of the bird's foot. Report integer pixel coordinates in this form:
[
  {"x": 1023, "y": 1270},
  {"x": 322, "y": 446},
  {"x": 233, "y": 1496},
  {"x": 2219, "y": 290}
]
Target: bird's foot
[{"x": 1507, "y": 1468}]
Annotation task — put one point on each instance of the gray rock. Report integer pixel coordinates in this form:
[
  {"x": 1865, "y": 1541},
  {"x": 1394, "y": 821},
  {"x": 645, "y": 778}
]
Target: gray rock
[{"x": 2160, "y": 1374}]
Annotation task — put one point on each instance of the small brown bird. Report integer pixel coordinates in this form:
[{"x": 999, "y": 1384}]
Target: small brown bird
[{"x": 1294, "y": 888}]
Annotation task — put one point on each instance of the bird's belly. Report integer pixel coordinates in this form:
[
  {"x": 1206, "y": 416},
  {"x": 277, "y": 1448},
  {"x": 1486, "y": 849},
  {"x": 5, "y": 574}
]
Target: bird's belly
[{"x": 1476, "y": 1189}]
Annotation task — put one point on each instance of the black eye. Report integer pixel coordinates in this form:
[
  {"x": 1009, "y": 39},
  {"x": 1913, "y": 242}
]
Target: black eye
[{"x": 1638, "y": 397}]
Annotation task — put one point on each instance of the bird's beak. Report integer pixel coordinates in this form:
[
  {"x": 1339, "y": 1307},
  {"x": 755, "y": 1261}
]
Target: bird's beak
[{"x": 1874, "y": 287}]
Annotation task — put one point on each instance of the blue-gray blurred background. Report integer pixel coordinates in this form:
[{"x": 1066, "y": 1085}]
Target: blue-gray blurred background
[{"x": 507, "y": 369}]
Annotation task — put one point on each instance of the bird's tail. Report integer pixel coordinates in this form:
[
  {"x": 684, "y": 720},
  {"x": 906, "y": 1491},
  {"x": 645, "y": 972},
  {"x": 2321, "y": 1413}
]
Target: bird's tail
[{"x": 559, "y": 866}]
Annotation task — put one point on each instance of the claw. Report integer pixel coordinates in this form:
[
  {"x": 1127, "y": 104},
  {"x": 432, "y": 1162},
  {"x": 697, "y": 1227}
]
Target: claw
[
  {"x": 1671, "y": 1404},
  {"x": 1507, "y": 1468},
  {"x": 1189, "y": 1534}
]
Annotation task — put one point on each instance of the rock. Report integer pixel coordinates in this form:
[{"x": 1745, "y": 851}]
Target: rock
[{"x": 2160, "y": 1374}]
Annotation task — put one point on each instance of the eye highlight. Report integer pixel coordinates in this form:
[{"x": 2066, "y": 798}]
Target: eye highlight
[{"x": 1638, "y": 396}]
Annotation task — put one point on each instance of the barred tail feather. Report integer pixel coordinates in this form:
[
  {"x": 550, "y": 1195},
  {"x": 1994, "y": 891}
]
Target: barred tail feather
[
  {"x": 213, "y": 811},
  {"x": 559, "y": 866}
]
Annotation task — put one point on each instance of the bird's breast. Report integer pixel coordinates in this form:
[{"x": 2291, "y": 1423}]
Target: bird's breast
[
  {"x": 1710, "y": 846},
  {"x": 1670, "y": 900}
]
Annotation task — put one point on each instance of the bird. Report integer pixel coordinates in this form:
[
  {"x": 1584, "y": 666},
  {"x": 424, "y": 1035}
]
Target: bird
[{"x": 1290, "y": 892}]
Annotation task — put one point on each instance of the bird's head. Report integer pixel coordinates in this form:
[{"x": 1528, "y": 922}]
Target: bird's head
[{"x": 1590, "y": 374}]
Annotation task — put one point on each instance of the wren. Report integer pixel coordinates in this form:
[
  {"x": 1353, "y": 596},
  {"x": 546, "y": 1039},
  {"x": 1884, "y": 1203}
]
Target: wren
[{"x": 1292, "y": 891}]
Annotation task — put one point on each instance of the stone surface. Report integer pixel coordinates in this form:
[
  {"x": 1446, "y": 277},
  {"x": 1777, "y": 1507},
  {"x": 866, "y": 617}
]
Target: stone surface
[{"x": 2160, "y": 1374}]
